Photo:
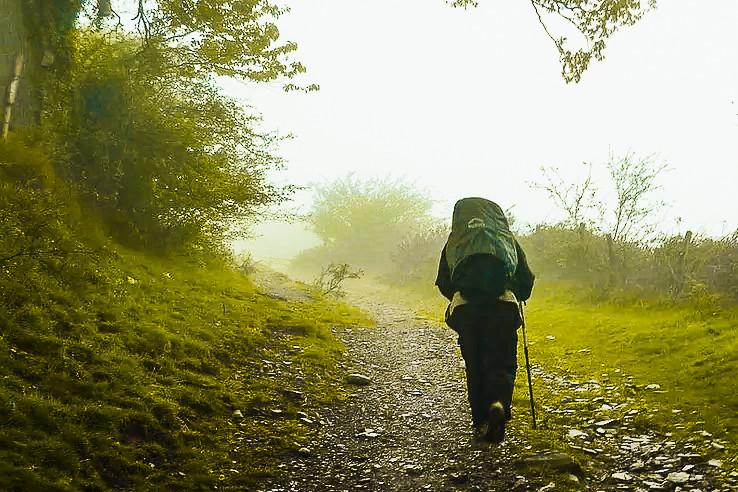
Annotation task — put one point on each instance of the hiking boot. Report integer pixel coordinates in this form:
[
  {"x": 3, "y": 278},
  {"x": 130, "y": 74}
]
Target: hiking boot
[
  {"x": 480, "y": 431},
  {"x": 495, "y": 423}
]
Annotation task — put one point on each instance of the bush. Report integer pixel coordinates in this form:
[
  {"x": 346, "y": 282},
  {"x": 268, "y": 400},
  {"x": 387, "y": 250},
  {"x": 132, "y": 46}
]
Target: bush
[
  {"x": 416, "y": 256},
  {"x": 331, "y": 277},
  {"x": 361, "y": 221},
  {"x": 671, "y": 266},
  {"x": 167, "y": 160}
]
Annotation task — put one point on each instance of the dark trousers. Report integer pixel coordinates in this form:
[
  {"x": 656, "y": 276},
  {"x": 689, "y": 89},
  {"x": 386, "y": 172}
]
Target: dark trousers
[{"x": 488, "y": 339}]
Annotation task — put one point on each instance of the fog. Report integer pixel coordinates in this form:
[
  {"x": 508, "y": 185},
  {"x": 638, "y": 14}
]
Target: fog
[{"x": 471, "y": 103}]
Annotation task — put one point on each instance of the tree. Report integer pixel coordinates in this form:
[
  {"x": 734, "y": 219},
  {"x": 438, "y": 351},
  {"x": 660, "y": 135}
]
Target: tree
[
  {"x": 167, "y": 159},
  {"x": 225, "y": 37},
  {"x": 365, "y": 219},
  {"x": 236, "y": 38},
  {"x": 573, "y": 198},
  {"x": 137, "y": 121},
  {"x": 633, "y": 179},
  {"x": 595, "y": 20}
]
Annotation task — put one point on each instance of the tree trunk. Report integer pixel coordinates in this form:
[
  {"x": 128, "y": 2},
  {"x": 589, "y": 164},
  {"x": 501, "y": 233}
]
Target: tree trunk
[
  {"x": 103, "y": 8},
  {"x": 14, "y": 49},
  {"x": 12, "y": 93}
]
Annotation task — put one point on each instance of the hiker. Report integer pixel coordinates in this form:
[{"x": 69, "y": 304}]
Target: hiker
[{"x": 484, "y": 274}]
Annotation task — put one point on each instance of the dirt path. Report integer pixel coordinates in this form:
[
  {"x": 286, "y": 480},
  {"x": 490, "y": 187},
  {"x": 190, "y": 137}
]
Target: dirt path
[{"x": 409, "y": 429}]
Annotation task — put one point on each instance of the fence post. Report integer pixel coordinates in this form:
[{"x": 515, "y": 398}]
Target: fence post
[
  {"x": 613, "y": 276},
  {"x": 682, "y": 261}
]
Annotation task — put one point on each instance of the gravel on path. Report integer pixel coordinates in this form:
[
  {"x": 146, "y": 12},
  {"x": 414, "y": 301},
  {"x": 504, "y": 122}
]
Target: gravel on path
[{"x": 410, "y": 427}]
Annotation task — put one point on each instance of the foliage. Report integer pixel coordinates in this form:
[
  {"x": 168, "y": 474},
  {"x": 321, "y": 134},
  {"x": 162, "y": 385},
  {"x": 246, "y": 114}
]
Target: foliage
[
  {"x": 39, "y": 217},
  {"x": 573, "y": 198},
  {"x": 596, "y": 21},
  {"x": 560, "y": 251},
  {"x": 234, "y": 38},
  {"x": 48, "y": 23},
  {"x": 633, "y": 180},
  {"x": 138, "y": 124},
  {"x": 626, "y": 219},
  {"x": 670, "y": 266},
  {"x": 714, "y": 262},
  {"x": 331, "y": 277},
  {"x": 361, "y": 221},
  {"x": 416, "y": 256},
  {"x": 167, "y": 160}
]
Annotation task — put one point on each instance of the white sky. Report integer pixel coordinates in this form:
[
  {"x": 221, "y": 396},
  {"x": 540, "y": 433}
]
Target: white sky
[{"x": 471, "y": 103}]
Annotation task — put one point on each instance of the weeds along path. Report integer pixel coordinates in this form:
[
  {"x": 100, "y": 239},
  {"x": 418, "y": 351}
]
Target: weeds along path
[{"x": 409, "y": 429}]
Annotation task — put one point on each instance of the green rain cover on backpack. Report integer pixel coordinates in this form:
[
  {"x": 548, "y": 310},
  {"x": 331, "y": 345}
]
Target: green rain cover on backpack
[{"x": 480, "y": 250}]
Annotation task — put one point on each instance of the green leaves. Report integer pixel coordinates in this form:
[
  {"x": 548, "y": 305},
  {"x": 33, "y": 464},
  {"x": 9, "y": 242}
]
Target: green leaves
[
  {"x": 363, "y": 220},
  {"x": 169, "y": 160},
  {"x": 596, "y": 21},
  {"x": 232, "y": 38}
]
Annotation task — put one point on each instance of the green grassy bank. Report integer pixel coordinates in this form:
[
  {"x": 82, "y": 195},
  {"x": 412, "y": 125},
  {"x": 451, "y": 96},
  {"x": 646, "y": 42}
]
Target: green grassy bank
[
  {"x": 688, "y": 348},
  {"x": 128, "y": 375}
]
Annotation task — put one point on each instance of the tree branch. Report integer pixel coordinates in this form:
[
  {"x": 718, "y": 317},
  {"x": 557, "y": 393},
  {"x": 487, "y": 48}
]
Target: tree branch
[{"x": 540, "y": 19}]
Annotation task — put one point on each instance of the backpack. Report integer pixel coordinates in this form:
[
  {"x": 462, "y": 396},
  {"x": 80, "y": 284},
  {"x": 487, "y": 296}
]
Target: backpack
[{"x": 480, "y": 250}]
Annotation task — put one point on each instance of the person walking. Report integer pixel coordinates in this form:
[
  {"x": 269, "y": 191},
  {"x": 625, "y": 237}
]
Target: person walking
[{"x": 484, "y": 274}]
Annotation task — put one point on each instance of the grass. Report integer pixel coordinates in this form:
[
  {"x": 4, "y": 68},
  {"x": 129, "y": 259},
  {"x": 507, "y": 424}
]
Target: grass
[
  {"x": 690, "y": 354},
  {"x": 125, "y": 374}
]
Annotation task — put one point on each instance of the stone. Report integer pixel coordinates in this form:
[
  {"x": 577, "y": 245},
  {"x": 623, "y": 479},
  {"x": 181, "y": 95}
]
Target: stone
[
  {"x": 368, "y": 433},
  {"x": 717, "y": 445},
  {"x": 459, "y": 478},
  {"x": 358, "y": 379},
  {"x": 292, "y": 394},
  {"x": 586, "y": 450},
  {"x": 678, "y": 477},
  {"x": 553, "y": 460},
  {"x": 577, "y": 434},
  {"x": 606, "y": 422}
]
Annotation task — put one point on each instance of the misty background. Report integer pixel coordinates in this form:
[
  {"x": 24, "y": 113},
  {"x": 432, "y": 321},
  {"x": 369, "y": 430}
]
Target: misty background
[{"x": 472, "y": 103}]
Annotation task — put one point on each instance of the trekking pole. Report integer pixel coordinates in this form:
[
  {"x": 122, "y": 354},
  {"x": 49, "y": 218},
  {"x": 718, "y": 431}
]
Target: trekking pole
[{"x": 527, "y": 363}]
